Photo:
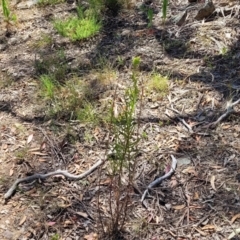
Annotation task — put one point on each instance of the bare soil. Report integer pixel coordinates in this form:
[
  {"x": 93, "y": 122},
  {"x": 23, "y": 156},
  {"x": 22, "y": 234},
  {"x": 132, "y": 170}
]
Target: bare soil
[{"x": 201, "y": 58}]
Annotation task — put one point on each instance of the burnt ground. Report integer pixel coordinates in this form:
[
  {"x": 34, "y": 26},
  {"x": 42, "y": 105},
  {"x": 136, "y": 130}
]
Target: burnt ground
[{"x": 201, "y": 59}]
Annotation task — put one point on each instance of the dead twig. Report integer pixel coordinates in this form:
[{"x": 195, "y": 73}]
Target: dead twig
[
  {"x": 189, "y": 128},
  {"x": 160, "y": 179},
  {"x": 64, "y": 173},
  {"x": 229, "y": 109}
]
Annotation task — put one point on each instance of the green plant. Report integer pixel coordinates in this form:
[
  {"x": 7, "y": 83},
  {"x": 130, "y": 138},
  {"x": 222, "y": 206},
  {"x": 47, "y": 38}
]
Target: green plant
[
  {"x": 144, "y": 135},
  {"x": 5, "y": 8},
  {"x": 22, "y": 154},
  {"x": 53, "y": 64},
  {"x": 56, "y": 236},
  {"x": 164, "y": 9},
  {"x": 44, "y": 41},
  {"x": 120, "y": 61},
  {"x": 224, "y": 51},
  {"x": 150, "y": 17},
  {"x": 5, "y": 80},
  {"x": 3, "y": 180},
  {"x": 85, "y": 25},
  {"x": 44, "y": 3},
  {"x": 95, "y": 9},
  {"x": 8, "y": 17},
  {"x": 48, "y": 86},
  {"x": 70, "y": 100},
  {"x": 157, "y": 83},
  {"x": 87, "y": 114},
  {"x": 88, "y": 136},
  {"x": 149, "y": 13},
  {"x": 208, "y": 61},
  {"x": 123, "y": 158}
]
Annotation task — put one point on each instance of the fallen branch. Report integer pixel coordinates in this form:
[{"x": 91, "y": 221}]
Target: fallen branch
[
  {"x": 160, "y": 179},
  {"x": 64, "y": 173}
]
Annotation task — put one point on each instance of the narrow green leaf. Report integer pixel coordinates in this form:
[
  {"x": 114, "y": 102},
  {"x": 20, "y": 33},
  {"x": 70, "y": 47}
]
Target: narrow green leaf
[{"x": 164, "y": 9}]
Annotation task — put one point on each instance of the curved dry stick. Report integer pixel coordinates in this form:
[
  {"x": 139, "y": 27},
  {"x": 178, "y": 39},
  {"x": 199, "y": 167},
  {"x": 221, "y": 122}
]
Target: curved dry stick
[
  {"x": 44, "y": 176},
  {"x": 229, "y": 110},
  {"x": 160, "y": 179}
]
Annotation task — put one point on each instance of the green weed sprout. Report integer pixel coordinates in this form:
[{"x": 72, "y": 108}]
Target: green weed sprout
[
  {"x": 149, "y": 12},
  {"x": 6, "y": 11},
  {"x": 164, "y": 9},
  {"x": 124, "y": 149},
  {"x": 150, "y": 17},
  {"x": 8, "y": 17}
]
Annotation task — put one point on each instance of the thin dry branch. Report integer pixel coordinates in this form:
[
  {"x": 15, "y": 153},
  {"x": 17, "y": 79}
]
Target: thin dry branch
[
  {"x": 229, "y": 110},
  {"x": 64, "y": 173},
  {"x": 160, "y": 179},
  {"x": 189, "y": 128}
]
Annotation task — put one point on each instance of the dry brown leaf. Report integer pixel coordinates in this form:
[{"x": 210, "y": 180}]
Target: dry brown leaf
[
  {"x": 178, "y": 207},
  {"x": 226, "y": 126},
  {"x": 216, "y": 167},
  {"x": 4, "y": 146},
  {"x": 96, "y": 132},
  {"x": 43, "y": 146},
  {"x": 201, "y": 232},
  {"x": 63, "y": 205},
  {"x": 11, "y": 172},
  {"x": 157, "y": 220},
  {"x": 91, "y": 236},
  {"x": 82, "y": 214},
  {"x": 212, "y": 181},
  {"x": 39, "y": 153},
  {"x": 23, "y": 220},
  {"x": 42, "y": 160},
  {"x": 34, "y": 195},
  {"x": 209, "y": 227},
  {"x": 34, "y": 149},
  {"x": 30, "y": 138},
  {"x": 51, "y": 223},
  {"x": 190, "y": 170},
  {"x": 173, "y": 183},
  {"x": 196, "y": 196},
  {"x": 115, "y": 110},
  {"x": 67, "y": 223},
  {"x": 106, "y": 181},
  {"x": 235, "y": 217}
]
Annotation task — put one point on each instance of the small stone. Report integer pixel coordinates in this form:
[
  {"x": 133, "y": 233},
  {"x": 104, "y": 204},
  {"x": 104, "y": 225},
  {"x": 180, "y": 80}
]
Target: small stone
[
  {"x": 126, "y": 32},
  {"x": 25, "y": 38},
  {"x": 2, "y": 226},
  {"x": 168, "y": 206},
  {"x": 8, "y": 235},
  {"x": 3, "y": 47},
  {"x": 205, "y": 11},
  {"x": 12, "y": 41}
]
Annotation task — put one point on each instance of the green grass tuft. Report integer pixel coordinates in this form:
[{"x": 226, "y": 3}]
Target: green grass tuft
[
  {"x": 158, "y": 83},
  {"x": 77, "y": 28},
  {"x": 48, "y": 86},
  {"x": 87, "y": 114}
]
